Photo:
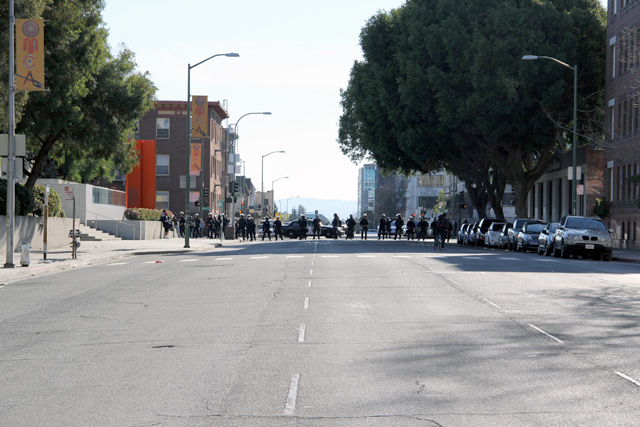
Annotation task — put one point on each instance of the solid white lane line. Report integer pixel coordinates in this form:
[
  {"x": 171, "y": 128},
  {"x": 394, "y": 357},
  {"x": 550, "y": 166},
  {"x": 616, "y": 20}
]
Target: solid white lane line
[
  {"x": 292, "y": 397},
  {"x": 259, "y": 257},
  {"x": 628, "y": 378},
  {"x": 119, "y": 263},
  {"x": 223, "y": 259},
  {"x": 547, "y": 334},
  {"x": 188, "y": 260},
  {"x": 301, "y": 332},
  {"x": 306, "y": 303},
  {"x": 492, "y": 303}
]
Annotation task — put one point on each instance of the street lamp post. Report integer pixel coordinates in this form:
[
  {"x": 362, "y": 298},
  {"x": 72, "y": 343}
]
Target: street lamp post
[
  {"x": 235, "y": 151},
  {"x": 262, "y": 182},
  {"x": 273, "y": 196},
  {"x": 187, "y": 210},
  {"x": 296, "y": 197},
  {"x": 574, "y": 185}
]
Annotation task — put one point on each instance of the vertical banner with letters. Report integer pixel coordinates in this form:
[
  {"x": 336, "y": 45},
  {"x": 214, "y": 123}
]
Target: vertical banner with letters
[
  {"x": 196, "y": 158},
  {"x": 199, "y": 117},
  {"x": 30, "y": 54}
]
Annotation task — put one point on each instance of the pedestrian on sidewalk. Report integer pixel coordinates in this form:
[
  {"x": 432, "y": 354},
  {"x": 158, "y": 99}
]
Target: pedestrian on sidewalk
[{"x": 364, "y": 227}]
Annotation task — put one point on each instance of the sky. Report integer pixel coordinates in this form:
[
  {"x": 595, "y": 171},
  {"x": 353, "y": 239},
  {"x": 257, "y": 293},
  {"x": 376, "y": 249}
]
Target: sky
[{"x": 295, "y": 56}]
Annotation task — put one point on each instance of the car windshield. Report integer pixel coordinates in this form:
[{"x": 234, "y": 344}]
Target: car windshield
[
  {"x": 553, "y": 227},
  {"x": 586, "y": 223},
  {"x": 498, "y": 226},
  {"x": 534, "y": 228}
]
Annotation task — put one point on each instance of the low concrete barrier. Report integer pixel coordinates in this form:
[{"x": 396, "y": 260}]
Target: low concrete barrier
[
  {"x": 129, "y": 229},
  {"x": 30, "y": 229}
]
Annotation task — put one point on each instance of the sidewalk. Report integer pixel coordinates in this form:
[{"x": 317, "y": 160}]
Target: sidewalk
[
  {"x": 626, "y": 255},
  {"x": 91, "y": 252}
]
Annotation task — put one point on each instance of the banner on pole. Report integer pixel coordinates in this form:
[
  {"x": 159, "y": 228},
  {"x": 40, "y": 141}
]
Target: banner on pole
[
  {"x": 196, "y": 159},
  {"x": 30, "y": 54},
  {"x": 199, "y": 117}
]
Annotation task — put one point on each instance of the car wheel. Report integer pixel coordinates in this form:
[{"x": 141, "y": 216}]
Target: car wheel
[
  {"x": 548, "y": 250},
  {"x": 597, "y": 257},
  {"x": 291, "y": 234},
  {"x": 563, "y": 251},
  {"x": 607, "y": 257},
  {"x": 540, "y": 252}
]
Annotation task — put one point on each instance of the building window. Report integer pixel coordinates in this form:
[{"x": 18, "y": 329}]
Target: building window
[
  {"x": 162, "y": 200},
  {"x": 162, "y": 128},
  {"x": 162, "y": 164}
]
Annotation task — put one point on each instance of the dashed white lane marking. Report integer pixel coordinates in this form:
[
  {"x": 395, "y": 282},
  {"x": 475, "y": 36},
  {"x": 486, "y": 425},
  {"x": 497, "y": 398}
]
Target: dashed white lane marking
[
  {"x": 306, "y": 303},
  {"x": 308, "y": 286},
  {"x": 188, "y": 260},
  {"x": 473, "y": 257},
  {"x": 510, "y": 259},
  {"x": 547, "y": 334},
  {"x": 366, "y": 256},
  {"x": 628, "y": 378},
  {"x": 223, "y": 259},
  {"x": 330, "y": 256},
  {"x": 149, "y": 262},
  {"x": 259, "y": 257},
  {"x": 310, "y": 272},
  {"x": 301, "y": 332},
  {"x": 546, "y": 260},
  {"x": 292, "y": 397},
  {"x": 402, "y": 256},
  {"x": 492, "y": 303},
  {"x": 4, "y": 285},
  {"x": 295, "y": 256},
  {"x": 119, "y": 263}
]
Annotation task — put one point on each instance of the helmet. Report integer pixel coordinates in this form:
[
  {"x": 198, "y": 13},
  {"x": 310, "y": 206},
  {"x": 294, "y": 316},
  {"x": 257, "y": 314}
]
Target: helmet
[
  {"x": 364, "y": 214},
  {"x": 181, "y": 213}
]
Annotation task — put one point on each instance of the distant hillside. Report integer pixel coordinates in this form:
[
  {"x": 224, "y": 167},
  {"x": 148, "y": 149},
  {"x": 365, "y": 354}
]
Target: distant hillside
[{"x": 343, "y": 208}]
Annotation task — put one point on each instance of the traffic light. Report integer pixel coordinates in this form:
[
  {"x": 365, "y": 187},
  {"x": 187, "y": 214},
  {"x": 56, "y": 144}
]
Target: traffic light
[
  {"x": 236, "y": 187},
  {"x": 198, "y": 202}
]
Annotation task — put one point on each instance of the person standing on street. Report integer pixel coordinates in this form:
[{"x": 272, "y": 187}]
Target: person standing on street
[
  {"x": 399, "y": 224},
  {"x": 242, "y": 226},
  {"x": 411, "y": 228},
  {"x": 251, "y": 227},
  {"x": 382, "y": 227},
  {"x": 266, "y": 228},
  {"x": 364, "y": 227},
  {"x": 351, "y": 227},
  {"x": 210, "y": 226},
  {"x": 316, "y": 227},
  {"x": 423, "y": 225},
  {"x": 277, "y": 228},
  {"x": 336, "y": 223},
  {"x": 182, "y": 222},
  {"x": 441, "y": 226},
  {"x": 302, "y": 227}
]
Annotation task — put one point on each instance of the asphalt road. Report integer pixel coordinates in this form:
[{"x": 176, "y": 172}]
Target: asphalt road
[{"x": 324, "y": 333}]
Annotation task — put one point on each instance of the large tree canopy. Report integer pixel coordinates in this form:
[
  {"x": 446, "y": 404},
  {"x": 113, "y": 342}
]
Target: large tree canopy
[
  {"x": 93, "y": 100},
  {"x": 442, "y": 84}
]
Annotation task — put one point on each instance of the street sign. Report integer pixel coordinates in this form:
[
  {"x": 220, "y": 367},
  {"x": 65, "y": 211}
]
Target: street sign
[
  {"x": 206, "y": 208},
  {"x": 68, "y": 193},
  {"x": 580, "y": 190}
]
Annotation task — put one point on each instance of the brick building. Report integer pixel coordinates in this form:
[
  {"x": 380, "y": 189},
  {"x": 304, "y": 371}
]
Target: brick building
[
  {"x": 167, "y": 125},
  {"x": 622, "y": 126}
]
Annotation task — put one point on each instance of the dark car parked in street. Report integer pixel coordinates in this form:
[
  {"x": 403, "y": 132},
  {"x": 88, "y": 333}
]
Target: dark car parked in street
[
  {"x": 546, "y": 239},
  {"x": 513, "y": 232},
  {"x": 528, "y": 236}
]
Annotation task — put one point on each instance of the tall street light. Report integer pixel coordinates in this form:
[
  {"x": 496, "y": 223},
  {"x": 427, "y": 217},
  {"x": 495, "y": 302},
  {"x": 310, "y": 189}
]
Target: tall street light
[
  {"x": 574, "y": 186},
  {"x": 296, "y": 197},
  {"x": 235, "y": 151},
  {"x": 262, "y": 182},
  {"x": 187, "y": 210},
  {"x": 273, "y": 196}
]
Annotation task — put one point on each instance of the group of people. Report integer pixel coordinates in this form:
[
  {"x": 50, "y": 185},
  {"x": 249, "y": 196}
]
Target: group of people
[
  {"x": 210, "y": 228},
  {"x": 246, "y": 228}
]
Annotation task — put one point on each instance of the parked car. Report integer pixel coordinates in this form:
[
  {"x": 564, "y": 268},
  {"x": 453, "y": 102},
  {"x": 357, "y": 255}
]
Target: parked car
[
  {"x": 504, "y": 236},
  {"x": 292, "y": 229},
  {"x": 513, "y": 232},
  {"x": 492, "y": 236},
  {"x": 546, "y": 239},
  {"x": 462, "y": 232},
  {"x": 472, "y": 236},
  {"x": 528, "y": 236},
  {"x": 483, "y": 227},
  {"x": 586, "y": 236}
]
